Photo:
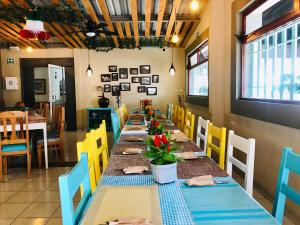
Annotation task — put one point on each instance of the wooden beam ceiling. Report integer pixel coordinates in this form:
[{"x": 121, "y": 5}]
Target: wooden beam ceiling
[
  {"x": 135, "y": 24},
  {"x": 127, "y": 29},
  {"x": 161, "y": 11},
  {"x": 183, "y": 32},
  {"x": 175, "y": 9},
  {"x": 148, "y": 8},
  {"x": 120, "y": 29},
  {"x": 189, "y": 35}
]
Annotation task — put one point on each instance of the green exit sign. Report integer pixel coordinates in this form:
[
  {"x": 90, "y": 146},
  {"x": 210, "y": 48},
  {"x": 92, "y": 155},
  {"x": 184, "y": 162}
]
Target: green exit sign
[{"x": 10, "y": 61}]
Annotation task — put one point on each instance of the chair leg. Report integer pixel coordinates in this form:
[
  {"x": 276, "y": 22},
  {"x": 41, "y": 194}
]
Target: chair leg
[
  {"x": 1, "y": 167},
  {"x": 39, "y": 154},
  {"x": 28, "y": 165},
  {"x": 62, "y": 152},
  {"x": 5, "y": 165}
]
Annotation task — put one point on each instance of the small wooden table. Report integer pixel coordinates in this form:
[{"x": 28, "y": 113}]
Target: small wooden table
[{"x": 35, "y": 122}]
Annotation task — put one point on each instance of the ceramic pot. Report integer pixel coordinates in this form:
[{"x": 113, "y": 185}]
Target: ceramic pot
[
  {"x": 103, "y": 102},
  {"x": 164, "y": 174}
]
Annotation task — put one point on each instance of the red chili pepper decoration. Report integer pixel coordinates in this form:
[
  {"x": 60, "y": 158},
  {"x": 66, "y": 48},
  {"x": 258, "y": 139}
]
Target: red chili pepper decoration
[
  {"x": 156, "y": 141},
  {"x": 164, "y": 139},
  {"x": 169, "y": 148},
  {"x": 156, "y": 123}
]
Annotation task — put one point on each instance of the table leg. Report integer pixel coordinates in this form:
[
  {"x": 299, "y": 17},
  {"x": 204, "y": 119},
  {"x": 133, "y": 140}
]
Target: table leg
[{"x": 45, "y": 145}]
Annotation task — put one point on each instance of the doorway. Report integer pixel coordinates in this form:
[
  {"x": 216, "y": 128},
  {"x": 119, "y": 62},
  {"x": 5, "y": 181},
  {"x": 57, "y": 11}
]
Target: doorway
[{"x": 50, "y": 80}]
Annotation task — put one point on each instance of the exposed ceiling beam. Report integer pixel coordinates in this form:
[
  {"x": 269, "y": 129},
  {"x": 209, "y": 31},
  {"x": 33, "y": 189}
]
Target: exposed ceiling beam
[
  {"x": 134, "y": 15},
  {"x": 74, "y": 36},
  {"x": 10, "y": 40},
  {"x": 161, "y": 11},
  {"x": 120, "y": 29},
  {"x": 107, "y": 19},
  {"x": 148, "y": 8},
  {"x": 189, "y": 35},
  {"x": 176, "y": 5},
  {"x": 127, "y": 29},
  {"x": 183, "y": 32},
  {"x": 15, "y": 39},
  {"x": 89, "y": 8},
  {"x": 153, "y": 18},
  {"x": 58, "y": 35},
  {"x": 62, "y": 31}
]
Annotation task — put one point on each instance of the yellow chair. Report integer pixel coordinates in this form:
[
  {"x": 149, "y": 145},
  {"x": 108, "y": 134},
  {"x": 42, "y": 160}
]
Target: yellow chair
[
  {"x": 189, "y": 125},
  {"x": 174, "y": 114},
  {"x": 100, "y": 149},
  {"x": 125, "y": 112},
  {"x": 180, "y": 118},
  {"x": 220, "y": 134},
  {"x": 85, "y": 146}
]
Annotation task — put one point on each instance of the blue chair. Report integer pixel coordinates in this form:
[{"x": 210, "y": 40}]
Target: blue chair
[
  {"x": 289, "y": 162},
  {"x": 68, "y": 186},
  {"x": 116, "y": 126}
]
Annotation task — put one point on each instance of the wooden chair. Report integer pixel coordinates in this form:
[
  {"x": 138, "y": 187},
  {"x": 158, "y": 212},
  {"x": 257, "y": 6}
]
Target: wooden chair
[
  {"x": 248, "y": 147},
  {"x": 169, "y": 111},
  {"x": 116, "y": 126},
  {"x": 145, "y": 102},
  {"x": 202, "y": 125},
  {"x": 125, "y": 112},
  {"x": 290, "y": 162},
  {"x": 174, "y": 114},
  {"x": 85, "y": 146},
  {"x": 220, "y": 135},
  {"x": 55, "y": 138},
  {"x": 68, "y": 186},
  {"x": 100, "y": 149},
  {"x": 44, "y": 109},
  {"x": 121, "y": 117},
  {"x": 189, "y": 125},
  {"x": 180, "y": 118},
  {"x": 13, "y": 142}
]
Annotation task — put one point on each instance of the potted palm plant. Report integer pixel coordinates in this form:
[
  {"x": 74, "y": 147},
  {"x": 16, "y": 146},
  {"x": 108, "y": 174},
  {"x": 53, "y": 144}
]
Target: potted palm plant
[{"x": 161, "y": 151}]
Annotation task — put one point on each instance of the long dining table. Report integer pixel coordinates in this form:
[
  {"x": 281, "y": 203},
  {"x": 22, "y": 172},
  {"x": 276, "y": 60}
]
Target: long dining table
[{"x": 139, "y": 196}]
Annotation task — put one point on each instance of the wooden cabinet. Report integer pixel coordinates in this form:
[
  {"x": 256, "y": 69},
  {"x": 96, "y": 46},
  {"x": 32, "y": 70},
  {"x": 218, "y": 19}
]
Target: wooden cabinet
[{"x": 96, "y": 115}]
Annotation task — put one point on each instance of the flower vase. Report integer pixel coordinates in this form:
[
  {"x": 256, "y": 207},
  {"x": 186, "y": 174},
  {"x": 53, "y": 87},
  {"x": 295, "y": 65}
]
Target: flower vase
[{"x": 164, "y": 174}]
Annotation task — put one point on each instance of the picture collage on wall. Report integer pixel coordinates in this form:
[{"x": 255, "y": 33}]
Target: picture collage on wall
[{"x": 122, "y": 75}]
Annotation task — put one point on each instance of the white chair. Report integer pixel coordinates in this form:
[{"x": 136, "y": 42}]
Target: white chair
[
  {"x": 202, "y": 124},
  {"x": 248, "y": 147},
  {"x": 169, "y": 111}
]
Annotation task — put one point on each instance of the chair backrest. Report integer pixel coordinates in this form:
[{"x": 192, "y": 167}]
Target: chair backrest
[
  {"x": 290, "y": 162},
  {"x": 44, "y": 109},
  {"x": 174, "y": 114},
  {"x": 180, "y": 118},
  {"x": 121, "y": 116},
  {"x": 202, "y": 125},
  {"x": 220, "y": 135},
  {"x": 125, "y": 112},
  {"x": 116, "y": 126},
  {"x": 189, "y": 125},
  {"x": 100, "y": 149},
  {"x": 68, "y": 186},
  {"x": 85, "y": 146},
  {"x": 248, "y": 147},
  {"x": 169, "y": 111},
  {"x": 145, "y": 102},
  {"x": 19, "y": 133}
]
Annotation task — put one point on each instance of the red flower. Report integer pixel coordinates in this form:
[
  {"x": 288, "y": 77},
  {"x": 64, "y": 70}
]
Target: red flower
[
  {"x": 156, "y": 140},
  {"x": 150, "y": 113},
  {"x": 152, "y": 122},
  {"x": 156, "y": 123},
  {"x": 164, "y": 139},
  {"x": 169, "y": 148}
]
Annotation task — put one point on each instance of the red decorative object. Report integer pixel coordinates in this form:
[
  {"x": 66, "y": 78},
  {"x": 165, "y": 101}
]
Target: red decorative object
[{"x": 34, "y": 29}]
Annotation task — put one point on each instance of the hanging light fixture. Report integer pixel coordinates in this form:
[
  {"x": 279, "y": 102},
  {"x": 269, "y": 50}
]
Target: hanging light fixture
[
  {"x": 34, "y": 29},
  {"x": 172, "y": 68},
  {"x": 194, "y": 5},
  {"x": 89, "y": 71}
]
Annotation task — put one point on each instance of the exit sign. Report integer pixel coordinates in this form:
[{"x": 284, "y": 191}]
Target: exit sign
[{"x": 10, "y": 61}]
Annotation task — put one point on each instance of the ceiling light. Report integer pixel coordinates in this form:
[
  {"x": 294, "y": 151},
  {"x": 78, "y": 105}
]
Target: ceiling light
[
  {"x": 172, "y": 68},
  {"x": 90, "y": 34},
  {"x": 89, "y": 71},
  {"x": 29, "y": 49},
  {"x": 194, "y": 5},
  {"x": 175, "y": 39}
]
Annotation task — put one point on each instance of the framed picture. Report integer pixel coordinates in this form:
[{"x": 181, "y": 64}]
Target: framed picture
[
  {"x": 135, "y": 79},
  {"x": 155, "y": 78},
  {"x": 125, "y": 86},
  {"x": 134, "y": 71},
  {"x": 107, "y": 88},
  {"x": 151, "y": 90},
  {"x": 105, "y": 78},
  {"x": 123, "y": 73},
  {"x": 145, "y": 80},
  {"x": 114, "y": 76},
  {"x": 141, "y": 89},
  {"x": 145, "y": 69},
  {"x": 115, "y": 90},
  {"x": 40, "y": 86},
  {"x": 112, "y": 69}
]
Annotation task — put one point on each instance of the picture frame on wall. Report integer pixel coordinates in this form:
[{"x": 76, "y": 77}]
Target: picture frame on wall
[
  {"x": 115, "y": 90},
  {"x": 112, "y": 69},
  {"x": 135, "y": 79},
  {"x": 145, "y": 80},
  {"x": 125, "y": 86},
  {"x": 134, "y": 71},
  {"x": 151, "y": 90},
  {"x": 40, "y": 86},
  {"x": 145, "y": 69},
  {"x": 107, "y": 88},
  {"x": 105, "y": 78},
  {"x": 155, "y": 78},
  {"x": 114, "y": 76},
  {"x": 141, "y": 89},
  {"x": 123, "y": 73}
]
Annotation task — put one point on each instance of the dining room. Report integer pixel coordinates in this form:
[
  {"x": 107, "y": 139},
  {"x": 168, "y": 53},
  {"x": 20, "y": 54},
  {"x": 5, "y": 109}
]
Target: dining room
[{"x": 149, "y": 112}]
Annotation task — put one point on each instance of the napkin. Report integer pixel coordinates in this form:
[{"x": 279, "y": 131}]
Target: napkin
[
  {"x": 187, "y": 155},
  {"x": 180, "y": 137},
  {"x": 175, "y": 131},
  {"x": 129, "y": 151},
  {"x": 134, "y": 139},
  {"x": 206, "y": 180},
  {"x": 135, "y": 169}
]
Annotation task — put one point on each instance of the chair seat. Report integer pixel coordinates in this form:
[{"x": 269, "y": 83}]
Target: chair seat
[
  {"x": 14, "y": 148},
  {"x": 52, "y": 136}
]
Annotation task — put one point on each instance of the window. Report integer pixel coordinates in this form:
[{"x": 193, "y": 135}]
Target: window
[
  {"x": 271, "y": 60},
  {"x": 198, "y": 71}
]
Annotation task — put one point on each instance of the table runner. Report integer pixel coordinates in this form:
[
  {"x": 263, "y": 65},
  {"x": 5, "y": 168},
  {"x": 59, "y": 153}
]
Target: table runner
[{"x": 125, "y": 137}]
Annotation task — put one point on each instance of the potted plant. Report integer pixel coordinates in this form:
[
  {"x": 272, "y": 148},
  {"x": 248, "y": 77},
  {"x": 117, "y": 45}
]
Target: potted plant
[
  {"x": 163, "y": 160},
  {"x": 154, "y": 127}
]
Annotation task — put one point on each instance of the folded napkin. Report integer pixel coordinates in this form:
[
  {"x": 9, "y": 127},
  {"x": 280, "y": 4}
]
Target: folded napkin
[
  {"x": 206, "y": 180},
  {"x": 129, "y": 151},
  {"x": 133, "y": 128},
  {"x": 135, "y": 169},
  {"x": 131, "y": 221},
  {"x": 179, "y": 137},
  {"x": 187, "y": 155},
  {"x": 175, "y": 131},
  {"x": 134, "y": 139}
]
